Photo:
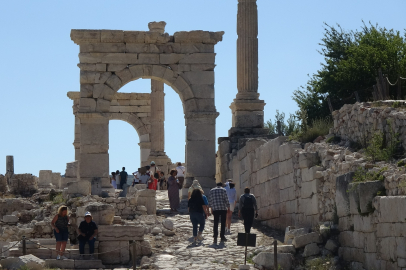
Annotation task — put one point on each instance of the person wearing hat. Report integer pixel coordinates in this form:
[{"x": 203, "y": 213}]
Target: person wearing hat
[
  {"x": 87, "y": 234},
  {"x": 154, "y": 170}
]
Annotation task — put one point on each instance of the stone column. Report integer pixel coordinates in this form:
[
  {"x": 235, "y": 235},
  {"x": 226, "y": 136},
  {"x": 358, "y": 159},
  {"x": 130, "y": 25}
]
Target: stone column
[
  {"x": 10, "y": 165},
  {"x": 247, "y": 109},
  {"x": 157, "y": 118},
  {"x": 94, "y": 147},
  {"x": 201, "y": 148}
]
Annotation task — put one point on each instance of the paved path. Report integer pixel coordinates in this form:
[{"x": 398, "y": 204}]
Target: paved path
[{"x": 179, "y": 253}]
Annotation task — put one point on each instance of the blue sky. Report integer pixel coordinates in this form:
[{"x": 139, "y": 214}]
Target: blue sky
[{"x": 38, "y": 65}]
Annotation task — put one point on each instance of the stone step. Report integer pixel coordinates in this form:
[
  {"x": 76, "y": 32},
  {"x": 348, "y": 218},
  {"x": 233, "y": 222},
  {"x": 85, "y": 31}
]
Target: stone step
[{"x": 74, "y": 264}]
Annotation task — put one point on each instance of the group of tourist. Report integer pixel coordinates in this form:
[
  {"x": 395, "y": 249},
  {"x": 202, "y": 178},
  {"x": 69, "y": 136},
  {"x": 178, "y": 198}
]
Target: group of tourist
[
  {"x": 87, "y": 232},
  {"x": 222, "y": 202},
  {"x": 151, "y": 175}
]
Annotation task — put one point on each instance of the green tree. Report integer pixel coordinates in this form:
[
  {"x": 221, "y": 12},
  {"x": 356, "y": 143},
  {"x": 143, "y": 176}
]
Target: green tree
[
  {"x": 289, "y": 128},
  {"x": 352, "y": 60}
]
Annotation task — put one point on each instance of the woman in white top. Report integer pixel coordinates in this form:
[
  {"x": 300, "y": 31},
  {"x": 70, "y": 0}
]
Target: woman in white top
[
  {"x": 113, "y": 180},
  {"x": 181, "y": 174},
  {"x": 118, "y": 178},
  {"x": 232, "y": 199}
]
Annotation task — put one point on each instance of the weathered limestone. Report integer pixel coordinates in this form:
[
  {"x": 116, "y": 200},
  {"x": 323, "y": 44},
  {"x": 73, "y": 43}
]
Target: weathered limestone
[
  {"x": 29, "y": 261},
  {"x": 120, "y": 233},
  {"x": 47, "y": 179},
  {"x": 110, "y": 59},
  {"x": 266, "y": 260},
  {"x": 103, "y": 214},
  {"x": 79, "y": 187}
]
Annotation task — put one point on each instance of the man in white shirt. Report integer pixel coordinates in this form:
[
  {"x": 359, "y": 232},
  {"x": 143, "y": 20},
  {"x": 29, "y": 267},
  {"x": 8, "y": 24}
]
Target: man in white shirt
[
  {"x": 137, "y": 175},
  {"x": 181, "y": 174}
]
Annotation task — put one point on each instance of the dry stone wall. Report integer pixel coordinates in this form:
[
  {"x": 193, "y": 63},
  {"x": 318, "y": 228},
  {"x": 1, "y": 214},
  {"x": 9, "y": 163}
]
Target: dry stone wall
[
  {"x": 24, "y": 184},
  {"x": 308, "y": 185},
  {"x": 357, "y": 122}
]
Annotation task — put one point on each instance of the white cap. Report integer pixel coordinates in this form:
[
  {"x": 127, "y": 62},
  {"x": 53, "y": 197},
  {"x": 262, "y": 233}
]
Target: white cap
[{"x": 88, "y": 214}]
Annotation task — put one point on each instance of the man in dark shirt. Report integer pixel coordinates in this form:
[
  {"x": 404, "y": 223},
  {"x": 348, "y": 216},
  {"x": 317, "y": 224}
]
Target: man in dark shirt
[
  {"x": 248, "y": 209},
  {"x": 87, "y": 233},
  {"x": 123, "y": 182}
]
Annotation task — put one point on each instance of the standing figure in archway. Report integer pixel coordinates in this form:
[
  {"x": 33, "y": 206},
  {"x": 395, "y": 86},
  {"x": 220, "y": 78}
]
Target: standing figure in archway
[{"x": 173, "y": 191}]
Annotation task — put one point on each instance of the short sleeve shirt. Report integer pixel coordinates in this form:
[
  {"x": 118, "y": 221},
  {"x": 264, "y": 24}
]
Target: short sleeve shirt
[{"x": 88, "y": 228}]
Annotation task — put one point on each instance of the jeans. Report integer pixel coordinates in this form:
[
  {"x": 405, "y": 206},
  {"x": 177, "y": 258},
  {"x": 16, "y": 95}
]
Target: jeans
[
  {"x": 82, "y": 244},
  {"x": 217, "y": 214},
  {"x": 197, "y": 218},
  {"x": 248, "y": 216}
]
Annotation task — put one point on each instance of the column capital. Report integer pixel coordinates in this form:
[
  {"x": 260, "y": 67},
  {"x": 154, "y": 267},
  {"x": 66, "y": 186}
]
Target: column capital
[{"x": 247, "y": 1}]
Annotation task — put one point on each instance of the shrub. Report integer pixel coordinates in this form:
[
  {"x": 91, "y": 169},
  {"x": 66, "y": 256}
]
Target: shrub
[
  {"x": 319, "y": 127},
  {"x": 58, "y": 199},
  {"x": 318, "y": 264},
  {"x": 383, "y": 147}
]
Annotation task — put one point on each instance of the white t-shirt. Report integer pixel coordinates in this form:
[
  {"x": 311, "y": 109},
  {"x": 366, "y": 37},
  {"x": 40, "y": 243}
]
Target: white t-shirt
[
  {"x": 181, "y": 171},
  {"x": 137, "y": 177}
]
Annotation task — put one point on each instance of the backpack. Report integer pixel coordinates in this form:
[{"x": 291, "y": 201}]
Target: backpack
[{"x": 248, "y": 202}]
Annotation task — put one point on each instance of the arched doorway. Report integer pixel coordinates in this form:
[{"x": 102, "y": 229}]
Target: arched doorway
[{"x": 110, "y": 59}]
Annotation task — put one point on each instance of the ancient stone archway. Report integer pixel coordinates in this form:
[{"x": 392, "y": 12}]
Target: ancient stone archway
[{"x": 111, "y": 58}]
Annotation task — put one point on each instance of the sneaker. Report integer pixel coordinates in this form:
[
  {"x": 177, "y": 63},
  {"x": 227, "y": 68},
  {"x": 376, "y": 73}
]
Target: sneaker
[
  {"x": 63, "y": 258},
  {"x": 58, "y": 257},
  {"x": 223, "y": 239},
  {"x": 195, "y": 241},
  {"x": 200, "y": 236}
]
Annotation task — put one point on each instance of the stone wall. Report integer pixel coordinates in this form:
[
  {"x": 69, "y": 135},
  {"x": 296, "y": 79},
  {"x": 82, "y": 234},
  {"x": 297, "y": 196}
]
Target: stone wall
[
  {"x": 308, "y": 185},
  {"x": 49, "y": 179},
  {"x": 23, "y": 184},
  {"x": 3, "y": 183},
  {"x": 357, "y": 122}
]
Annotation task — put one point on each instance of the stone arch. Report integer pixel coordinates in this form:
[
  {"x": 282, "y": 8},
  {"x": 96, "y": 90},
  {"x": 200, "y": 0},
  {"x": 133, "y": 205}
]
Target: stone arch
[
  {"x": 133, "y": 120},
  {"x": 109, "y": 59}
]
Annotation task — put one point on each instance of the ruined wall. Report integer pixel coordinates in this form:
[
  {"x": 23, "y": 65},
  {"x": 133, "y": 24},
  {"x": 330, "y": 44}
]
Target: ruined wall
[
  {"x": 357, "y": 122},
  {"x": 307, "y": 185},
  {"x": 23, "y": 184}
]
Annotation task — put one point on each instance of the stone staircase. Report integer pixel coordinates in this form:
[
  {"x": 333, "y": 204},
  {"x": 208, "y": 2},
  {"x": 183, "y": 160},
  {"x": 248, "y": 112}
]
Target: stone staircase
[
  {"x": 74, "y": 264},
  {"x": 45, "y": 251}
]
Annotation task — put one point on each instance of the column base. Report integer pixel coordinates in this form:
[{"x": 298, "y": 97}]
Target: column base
[{"x": 248, "y": 113}]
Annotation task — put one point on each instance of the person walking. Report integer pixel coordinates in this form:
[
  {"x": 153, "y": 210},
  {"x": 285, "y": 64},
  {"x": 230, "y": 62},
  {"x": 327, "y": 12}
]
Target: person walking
[
  {"x": 173, "y": 191},
  {"x": 232, "y": 199},
  {"x": 195, "y": 185},
  {"x": 60, "y": 224},
  {"x": 118, "y": 179},
  {"x": 181, "y": 174},
  {"x": 123, "y": 182},
  {"x": 219, "y": 205},
  {"x": 197, "y": 214},
  {"x": 113, "y": 180},
  {"x": 248, "y": 209},
  {"x": 87, "y": 234}
]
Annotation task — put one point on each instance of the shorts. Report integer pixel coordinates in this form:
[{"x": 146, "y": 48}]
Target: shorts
[
  {"x": 232, "y": 207},
  {"x": 62, "y": 236}
]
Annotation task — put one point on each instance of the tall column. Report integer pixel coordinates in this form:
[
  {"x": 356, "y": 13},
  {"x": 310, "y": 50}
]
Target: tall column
[
  {"x": 76, "y": 142},
  {"x": 10, "y": 165},
  {"x": 157, "y": 118},
  {"x": 247, "y": 109}
]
